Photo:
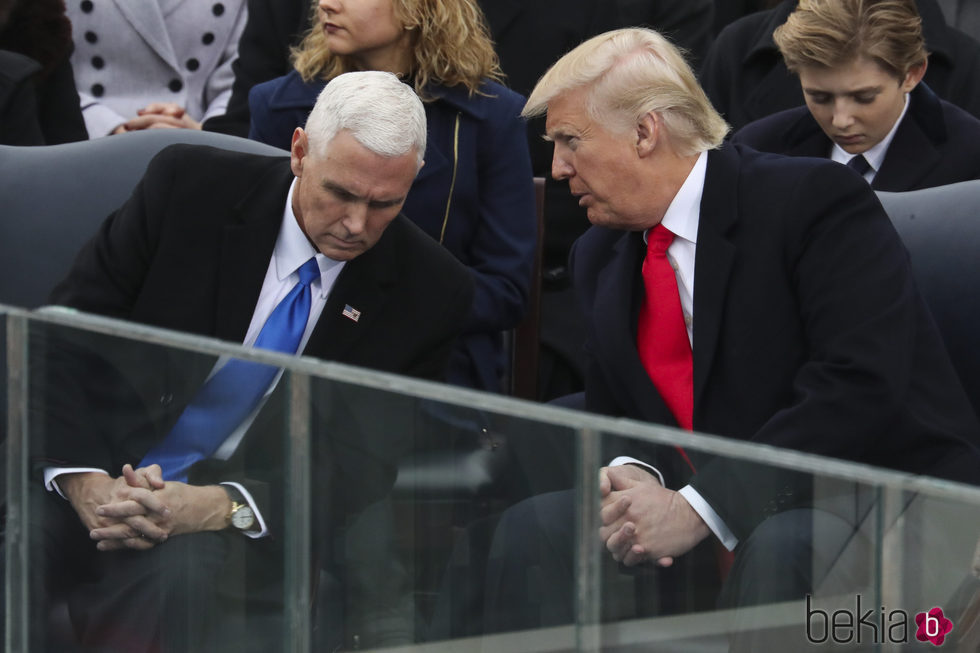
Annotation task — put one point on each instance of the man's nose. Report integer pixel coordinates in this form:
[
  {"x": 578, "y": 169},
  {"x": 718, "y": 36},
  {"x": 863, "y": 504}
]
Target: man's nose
[
  {"x": 560, "y": 168},
  {"x": 843, "y": 116},
  {"x": 356, "y": 218}
]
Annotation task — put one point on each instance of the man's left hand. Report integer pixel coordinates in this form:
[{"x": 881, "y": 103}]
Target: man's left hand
[
  {"x": 642, "y": 520},
  {"x": 191, "y": 509}
]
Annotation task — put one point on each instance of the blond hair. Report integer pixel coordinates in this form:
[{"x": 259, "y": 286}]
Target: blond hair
[
  {"x": 830, "y": 33},
  {"x": 451, "y": 46},
  {"x": 632, "y": 72}
]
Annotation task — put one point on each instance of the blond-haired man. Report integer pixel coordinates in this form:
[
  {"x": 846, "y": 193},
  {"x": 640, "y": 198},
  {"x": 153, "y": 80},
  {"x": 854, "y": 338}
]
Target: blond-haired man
[{"x": 799, "y": 327}]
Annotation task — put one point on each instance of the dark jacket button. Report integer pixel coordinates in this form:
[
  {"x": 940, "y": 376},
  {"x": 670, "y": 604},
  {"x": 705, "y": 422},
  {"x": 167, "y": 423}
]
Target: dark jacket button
[{"x": 175, "y": 85}]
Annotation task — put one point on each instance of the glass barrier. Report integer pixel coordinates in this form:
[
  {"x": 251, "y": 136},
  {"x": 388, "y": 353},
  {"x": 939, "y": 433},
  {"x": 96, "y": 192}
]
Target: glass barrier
[{"x": 395, "y": 514}]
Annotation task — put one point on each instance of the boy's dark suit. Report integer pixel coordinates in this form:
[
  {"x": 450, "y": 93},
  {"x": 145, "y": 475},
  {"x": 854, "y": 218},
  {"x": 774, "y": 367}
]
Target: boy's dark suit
[
  {"x": 936, "y": 144},
  {"x": 189, "y": 252},
  {"x": 745, "y": 77}
]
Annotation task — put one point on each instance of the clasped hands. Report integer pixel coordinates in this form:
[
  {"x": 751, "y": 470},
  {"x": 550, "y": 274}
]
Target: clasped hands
[
  {"x": 642, "y": 520},
  {"x": 159, "y": 115},
  {"x": 139, "y": 510}
]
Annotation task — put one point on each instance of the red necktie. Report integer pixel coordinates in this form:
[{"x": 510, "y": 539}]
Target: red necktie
[
  {"x": 665, "y": 349},
  {"x": 661, "y": 335}
]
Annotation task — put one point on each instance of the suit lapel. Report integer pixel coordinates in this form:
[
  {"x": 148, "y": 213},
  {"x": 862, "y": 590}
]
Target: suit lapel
[
  {"x": 147, "y": 21},
  {"x": 363, "y": 286},
  {"x": 714, "y": 257},
  {"x": 910, "y": 157},
  {"x": 246, "y": 250},
  {"x": 806, "y": 138},
  {"x": 912, "y": 154},
  {"x": 614, "y": 319}
]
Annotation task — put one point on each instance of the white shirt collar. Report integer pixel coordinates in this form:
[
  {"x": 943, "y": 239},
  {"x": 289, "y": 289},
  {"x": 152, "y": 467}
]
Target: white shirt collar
[
  {"x": 293, "y": 249},
  {"x": 682, "y": 215},
  {"x": 876, "y": 155}
]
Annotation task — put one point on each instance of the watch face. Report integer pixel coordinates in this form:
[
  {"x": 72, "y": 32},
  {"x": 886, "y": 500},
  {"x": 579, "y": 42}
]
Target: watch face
[{"x": 243, "y": 518}]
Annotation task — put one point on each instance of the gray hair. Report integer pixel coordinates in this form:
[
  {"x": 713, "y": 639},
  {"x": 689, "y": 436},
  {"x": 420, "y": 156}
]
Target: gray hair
[{"x": 379, "y": 111}]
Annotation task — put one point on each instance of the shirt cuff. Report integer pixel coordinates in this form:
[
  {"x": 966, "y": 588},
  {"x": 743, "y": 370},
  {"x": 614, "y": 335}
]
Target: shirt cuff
[
  {"x": 51, "y": 473},
  {"x": 627, "y": 460},
  {"x": 710, "y": 517},
  {"x": 263, "y": 531}
]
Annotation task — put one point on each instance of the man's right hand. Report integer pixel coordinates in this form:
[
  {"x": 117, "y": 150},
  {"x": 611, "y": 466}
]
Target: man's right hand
[{"x": 87, "y": 491}]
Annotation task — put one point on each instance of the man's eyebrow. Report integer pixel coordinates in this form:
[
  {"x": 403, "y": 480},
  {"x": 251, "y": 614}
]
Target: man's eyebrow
[
  {"x": 866, "y": 89},
  {"x": 558, "y": 135},
  {"x": 347, "y": 194},
  {"x": 857, "y": 91},
  {"x": 337, "y": 189}
]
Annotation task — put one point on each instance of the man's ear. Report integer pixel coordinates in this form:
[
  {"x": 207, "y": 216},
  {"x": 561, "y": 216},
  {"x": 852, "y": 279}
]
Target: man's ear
[
  {"x": 647, "y": 134},
  {"x": 298, "y": 151},
  {"x": 914, "y": 76}
]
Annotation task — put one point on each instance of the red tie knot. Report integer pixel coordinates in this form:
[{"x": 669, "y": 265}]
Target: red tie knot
[{"x": 658, "y": 240}]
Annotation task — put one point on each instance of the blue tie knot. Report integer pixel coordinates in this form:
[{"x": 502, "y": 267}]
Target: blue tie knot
[{"x": 309, "y": 271}]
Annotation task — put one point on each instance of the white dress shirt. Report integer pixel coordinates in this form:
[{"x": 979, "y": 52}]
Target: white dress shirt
[
  {"x": 681, "y": 219},
  {"x": 291, "y": 251}
]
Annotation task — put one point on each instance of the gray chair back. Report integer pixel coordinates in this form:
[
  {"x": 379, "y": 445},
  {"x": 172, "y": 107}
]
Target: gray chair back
[
  {"x": 941, "y": 229},
  {"x": 53, "y": 198}
]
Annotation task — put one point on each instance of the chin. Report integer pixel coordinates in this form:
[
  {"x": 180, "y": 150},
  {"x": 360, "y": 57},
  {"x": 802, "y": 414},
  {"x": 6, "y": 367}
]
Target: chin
[{"x": 341, "y": 254}]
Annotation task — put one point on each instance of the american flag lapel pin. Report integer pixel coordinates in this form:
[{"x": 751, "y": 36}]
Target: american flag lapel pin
[{"x": 351, "y": 313}]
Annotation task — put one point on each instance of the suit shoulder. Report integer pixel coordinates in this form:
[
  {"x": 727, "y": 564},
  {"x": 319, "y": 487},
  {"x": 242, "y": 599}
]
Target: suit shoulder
[
  {"x": 286, "y": 91},
  {"x": 765, "y": 175},
  {"x": 963, "y": 127},
  {"x": 771, "y": 133},
  {"x": 214, "y": 160}
]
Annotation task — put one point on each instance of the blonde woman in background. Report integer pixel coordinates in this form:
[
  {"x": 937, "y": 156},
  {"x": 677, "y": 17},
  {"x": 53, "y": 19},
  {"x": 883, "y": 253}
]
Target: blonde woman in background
[{"x": 475, "y": 192}]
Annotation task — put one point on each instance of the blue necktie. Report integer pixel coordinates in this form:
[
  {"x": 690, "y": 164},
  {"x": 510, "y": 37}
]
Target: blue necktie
[{"x": 232, "y": 392}]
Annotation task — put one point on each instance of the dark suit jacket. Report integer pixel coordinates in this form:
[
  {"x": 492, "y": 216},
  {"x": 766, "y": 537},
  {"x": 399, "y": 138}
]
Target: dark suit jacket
[
  {"x": 486, "y": 172},
  {"x": 41, "y": 30},
  {"x": 189, "y": 252},
  {"x": 18, "y": 101},
  {"x": 809, "y": 334},
  {"x": 936, "y": 144},
  {"x": 745, "y": 77}
]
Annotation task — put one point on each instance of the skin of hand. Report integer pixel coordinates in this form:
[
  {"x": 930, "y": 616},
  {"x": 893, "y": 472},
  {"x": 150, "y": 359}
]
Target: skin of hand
[
  {"x": 159, "y": 115},
  {"x": 642, "y": 520},
  {"x": 89, "y": 491},
  {"x": 143, "y": 510}
]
